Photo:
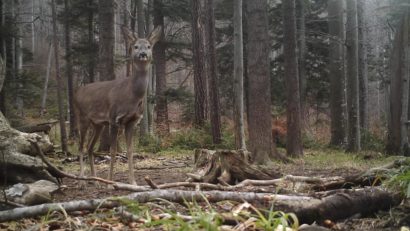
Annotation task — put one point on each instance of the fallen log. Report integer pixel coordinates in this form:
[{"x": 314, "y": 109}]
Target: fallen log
[
  {"x": 370, "y": 177},
  {"x": 307, "y": 208}
]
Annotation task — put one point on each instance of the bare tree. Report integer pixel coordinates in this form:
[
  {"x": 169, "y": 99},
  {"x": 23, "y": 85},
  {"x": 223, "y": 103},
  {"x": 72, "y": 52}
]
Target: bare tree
[
  {"x": 294, "y": 146},
  {"x": 198, "y": 51},
  {"x": 362, "y": 67},
  {"x": 91, "y": 43},
  {"x": 69, "y": 68},
  {"x": 106, "y": 54},
  {"x": 353, "y": 120},
  {"x": 141, "y": 34},
  {"x": 212, "y": 74},
  {"x": 399, "y": 89},
  {"x": 63, "y": 133},
  {"x": 238, "y": 76},
  {"x": 301, "y": 38},
  {"x": 259, "y": 108},
  {"x": 336, "y": 67},
  {"x": 162, "y": 123},
  {"x": 47, "y": 78}
]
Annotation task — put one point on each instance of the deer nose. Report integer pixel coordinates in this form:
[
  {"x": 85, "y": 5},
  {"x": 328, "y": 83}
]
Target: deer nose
[{"x": 143, "y": 55}]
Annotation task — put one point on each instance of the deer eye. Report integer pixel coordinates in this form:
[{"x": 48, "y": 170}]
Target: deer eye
[
  {"x": 136, "y": 47},
  {"x": 149, "y": 47}
]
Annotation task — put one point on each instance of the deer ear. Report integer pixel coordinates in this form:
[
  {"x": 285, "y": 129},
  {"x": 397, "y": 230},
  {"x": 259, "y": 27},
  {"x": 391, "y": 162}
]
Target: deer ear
[
  {"x": 129, "y": 36},
  {"x": 155, "y": 35}
]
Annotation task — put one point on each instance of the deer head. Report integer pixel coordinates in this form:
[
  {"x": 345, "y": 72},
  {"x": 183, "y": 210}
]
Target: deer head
[{"x": 141, "y": 48}]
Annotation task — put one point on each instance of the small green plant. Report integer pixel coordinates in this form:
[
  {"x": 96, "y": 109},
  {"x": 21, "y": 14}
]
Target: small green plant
[
  {"x": 399, "y": 180},
  {"x": 275, "y": 219},
  {"x": 370, "y": 141}
]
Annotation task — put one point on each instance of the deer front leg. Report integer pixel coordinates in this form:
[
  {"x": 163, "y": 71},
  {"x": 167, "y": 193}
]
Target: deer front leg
[
  {"x": 113, "y": 148},
  {"x": 129, "y": 132}
]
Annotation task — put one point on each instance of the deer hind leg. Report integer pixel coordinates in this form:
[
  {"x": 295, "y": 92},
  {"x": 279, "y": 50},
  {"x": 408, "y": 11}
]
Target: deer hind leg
[
  {"x": 113, "y": 148},
  {"x": 129, "y": 132},
  {"x": 83, "y": 134},
  {"x": 93, "y": 139}
]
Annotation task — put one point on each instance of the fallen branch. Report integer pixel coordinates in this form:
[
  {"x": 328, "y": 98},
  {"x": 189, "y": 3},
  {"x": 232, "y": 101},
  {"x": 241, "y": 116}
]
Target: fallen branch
[
  {"x": 308, "y": 209},
  {"x": 61, "y": 174},
  {"x": 371, "y": 177}
]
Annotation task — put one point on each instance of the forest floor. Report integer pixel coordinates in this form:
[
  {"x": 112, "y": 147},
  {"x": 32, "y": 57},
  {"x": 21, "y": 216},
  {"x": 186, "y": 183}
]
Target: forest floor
[{"x": 172, "y": 166}]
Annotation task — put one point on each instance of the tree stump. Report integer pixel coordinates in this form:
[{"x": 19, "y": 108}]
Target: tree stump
[
  {"x": 228, "y": 166},
  {"x": 18, "y": 161}
]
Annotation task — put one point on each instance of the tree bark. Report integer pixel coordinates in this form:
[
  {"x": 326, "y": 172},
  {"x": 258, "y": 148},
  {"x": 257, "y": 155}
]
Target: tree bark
[
  {"x": 198, "y": 53},
  {"x": 91, "y": 43},
  {"x": 19, "y": 102},
  {"x": 4, "y": 57},
  {"x": 213, "y": 74},
  {"x": 337, "y": 77},
  {"x": 294, "y": 146},
  {"x": 43, "y": 109},
  {"x": 353, "y": 117},
  {"x": 301, "y": 37},
  {"x": 61, "y": 117},
  {"x": 69, "y": 68},
  {"x": 162, "y": 122},
  {"x": 362, "y": 69},
  {"x": 141, "y": 34},
  {"x": 397, "y": 142},
  {"x": 106, "y": 14},
  {"x": 238, "y": 77},
  {"x": 259, "y": 108}
]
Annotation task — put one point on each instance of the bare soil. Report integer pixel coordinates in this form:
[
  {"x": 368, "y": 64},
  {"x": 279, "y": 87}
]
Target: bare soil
[{"x": 173, "y": 168}]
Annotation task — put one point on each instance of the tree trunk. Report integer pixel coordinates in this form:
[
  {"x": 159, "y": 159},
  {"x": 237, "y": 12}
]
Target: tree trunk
[
  {"x": 238, "y": 77},
  {"x": 61, "y": 118},
  {"x": 301, "y": 35},
  {"x": 141, "y": 34},
  {"x": 337, "y": 77},
  {"x": 213, "y": 74},
  {"x": 69, "y": 68},
  {"x": 91, "y": 44},
  {"x": 162, "y": 122},
  {"x": 353, "y": 120},
  {"x": 259, "y": 109},
  {"x": 308, "y": 209},
  {"x": 362, "y": 69},
  {"x": 294, "y": 146},
  {"x": 43, "y": 109},
  {"x": 106, "y": 55},
  {"x": 19, "y": 59},
  {"x": 3, "y": 56},
  {"x": 151, "y": 83},
  {"x": 397, "y": 142},
  {"x": 198, "y": 53}
]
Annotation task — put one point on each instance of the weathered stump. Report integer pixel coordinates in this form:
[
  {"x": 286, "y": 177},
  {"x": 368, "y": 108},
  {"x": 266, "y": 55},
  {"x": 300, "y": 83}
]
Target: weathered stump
[
  {"x": 228, "y": 166},
  {"x": 18, "y": 161}
]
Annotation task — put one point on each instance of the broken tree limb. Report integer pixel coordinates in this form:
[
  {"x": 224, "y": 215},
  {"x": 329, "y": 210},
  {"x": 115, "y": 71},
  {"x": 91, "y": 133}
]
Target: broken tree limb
[
  {"x": 308, "y": 209},
  {"x": 370, "y": 177}
]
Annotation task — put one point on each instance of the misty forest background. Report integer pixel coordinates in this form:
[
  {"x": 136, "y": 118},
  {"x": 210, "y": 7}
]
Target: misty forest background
[{"x": 339, "y": 69}]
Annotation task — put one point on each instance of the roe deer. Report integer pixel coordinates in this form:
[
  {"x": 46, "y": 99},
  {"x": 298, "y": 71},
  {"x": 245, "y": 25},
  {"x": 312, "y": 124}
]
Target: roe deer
[{"x": 117, "y": 103}]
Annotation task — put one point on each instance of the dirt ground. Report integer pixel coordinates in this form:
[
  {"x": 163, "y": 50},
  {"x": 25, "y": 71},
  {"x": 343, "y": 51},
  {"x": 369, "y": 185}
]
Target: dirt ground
[{"x": 166, "y": 168}]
